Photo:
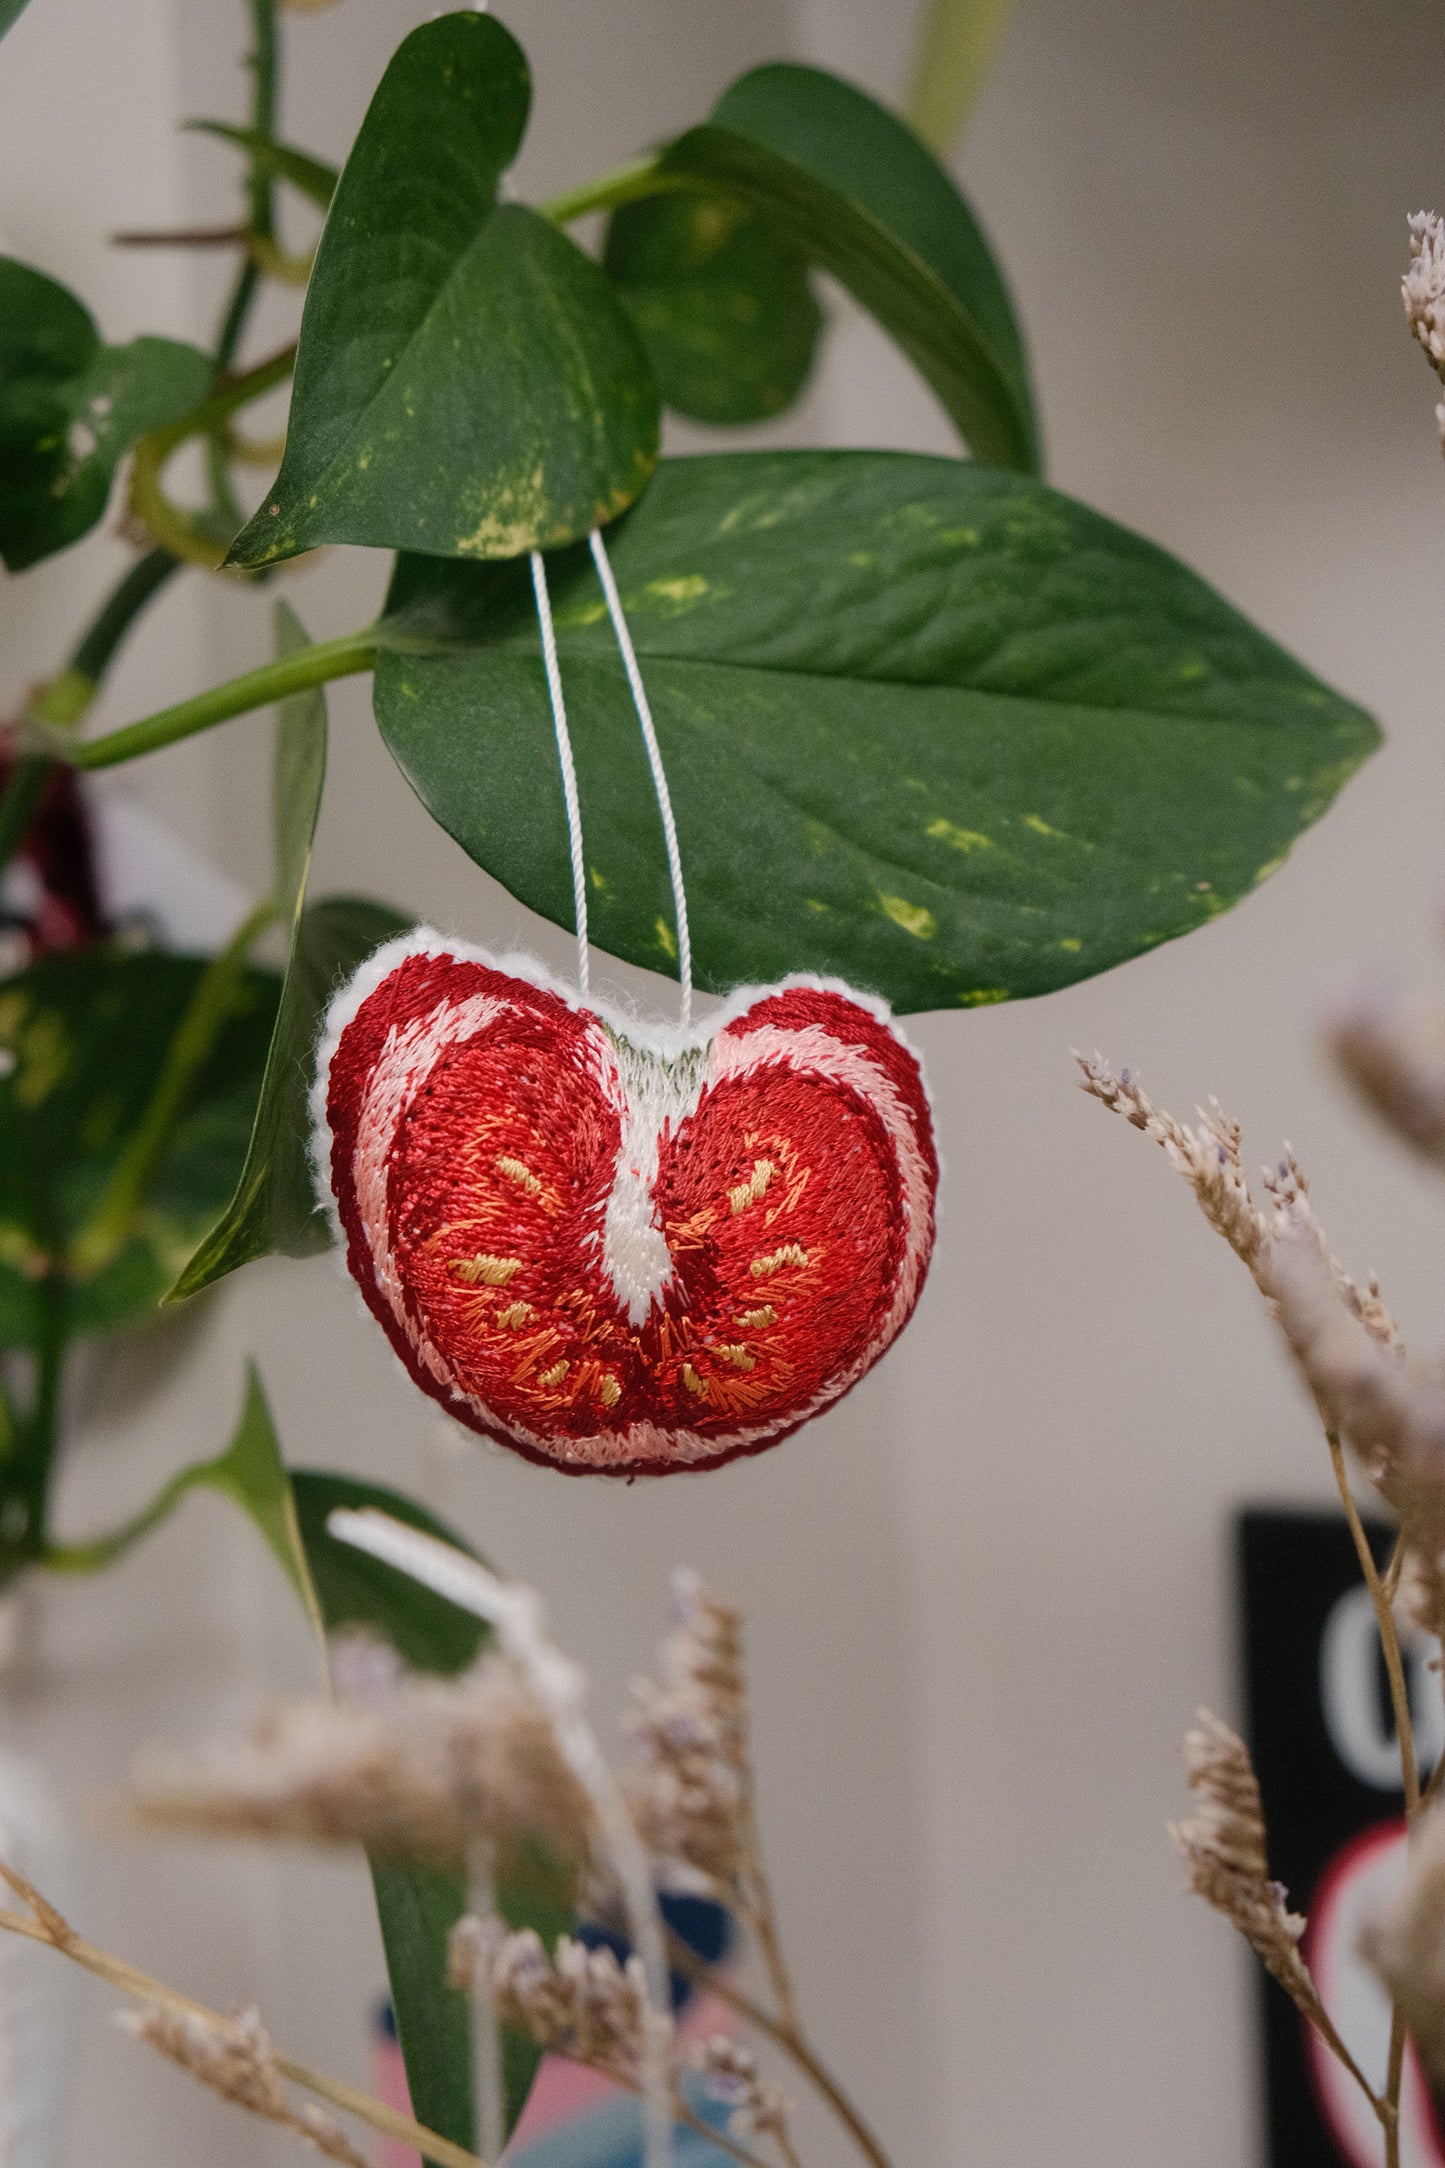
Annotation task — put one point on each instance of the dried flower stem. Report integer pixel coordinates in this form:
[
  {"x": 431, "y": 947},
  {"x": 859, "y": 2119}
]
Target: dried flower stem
[
  {"x": 685, "y": 1960},
  {"x": 1389, "y": 2109},
  {"x": 46, "y": 1925},
  {"x": 1385, "y": 1620}
]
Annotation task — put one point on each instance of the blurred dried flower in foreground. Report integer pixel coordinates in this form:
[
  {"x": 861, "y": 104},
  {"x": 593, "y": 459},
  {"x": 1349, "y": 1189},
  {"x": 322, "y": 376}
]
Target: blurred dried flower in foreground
[
  {"x": 1389, "y": 1406},
  {"x": 584, "y": 2005},
  {"x": 1396, "y": 1063},
  {"x": 730, "y": 2072},
  {"x": 417, "y": 1768},
  {"x": 1423, "y": 292},
  {"x": 1406, "y": 1946},
  {"x": 1223, "y": 1847},
  {"x": 689, "y": 1792},
  {"x": 235, "y": 2058}
]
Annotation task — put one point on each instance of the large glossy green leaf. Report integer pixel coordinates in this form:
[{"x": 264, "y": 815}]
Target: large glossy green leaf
[
  {"x": 723, "y": 305},
  {"x": 850, "y": 188},
  {"x": 9, "y": 12},
  {"x": 86, "y": 1033},
  {"x": 418, "y": 1906},
  {"x": 274, "y": 1209},
  {"x": 467, "y": 383},
  {"x": 70, "y": 408},
  {"x": 934, "y": 728}
]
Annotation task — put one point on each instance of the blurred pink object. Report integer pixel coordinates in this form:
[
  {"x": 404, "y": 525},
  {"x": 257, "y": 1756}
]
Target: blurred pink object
[{"x": 561, "y": 2089}]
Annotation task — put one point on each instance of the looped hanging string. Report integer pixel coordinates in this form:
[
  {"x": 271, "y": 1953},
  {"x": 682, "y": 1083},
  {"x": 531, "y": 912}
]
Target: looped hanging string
[
  {"x": 568, "y": 765},
  {"x": 654, "y": 761}
]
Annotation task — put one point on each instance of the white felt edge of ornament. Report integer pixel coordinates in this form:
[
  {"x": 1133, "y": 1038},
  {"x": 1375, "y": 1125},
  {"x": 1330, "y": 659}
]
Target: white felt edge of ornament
[{"x": 665, "y": 1040}]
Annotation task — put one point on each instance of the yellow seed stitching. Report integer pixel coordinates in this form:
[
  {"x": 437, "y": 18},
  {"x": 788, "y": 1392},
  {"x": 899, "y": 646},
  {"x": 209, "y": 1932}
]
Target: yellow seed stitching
[
  {"x": 736, "y": 1354},
  {"x": 515, "y": 1314},
  {"x": 790, "y": 1254},
  {"x": 555, "y": 1375},
  {"x": 693, "y": 1382},
  {"x": 494, "y": 1271},
  {"x": 757, "y": 1320},
  {"x": 516, "y": 1172},
  {"x": 609, "y": 1392},
  {"x": 749, "y": 1192}
]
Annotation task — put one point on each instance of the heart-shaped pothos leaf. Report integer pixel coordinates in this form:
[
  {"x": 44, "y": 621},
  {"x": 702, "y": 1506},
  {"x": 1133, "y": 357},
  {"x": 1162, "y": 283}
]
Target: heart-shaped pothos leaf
[
  {"x": 935, "y": 728},
  {"x": 467, "y": 382},
  {"x": 70, "y": 408}
]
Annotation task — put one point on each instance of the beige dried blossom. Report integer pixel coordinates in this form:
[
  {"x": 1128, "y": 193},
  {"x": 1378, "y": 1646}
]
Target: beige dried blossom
[
  {"x": 583, "y": 2004},
  {"x": 1223, "y": 1848},
  {"x": 413, "y": 1768},
  {"x": 234, "y": 2056},
  {"x": 690, "y": 1790},
  {"x": 1423, "y": 292},
  {"x": 1397, "y": 1065},
  {"x": 1387, "y": 1405},
  {"x": 1406, "y": 1945},
  {"x": 1210, "y": 1161},
  {"x": 729, "y": 2070}
]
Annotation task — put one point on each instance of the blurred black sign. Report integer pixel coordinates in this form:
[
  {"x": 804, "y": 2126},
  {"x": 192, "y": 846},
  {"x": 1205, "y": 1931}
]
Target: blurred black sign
[{"x": 1319, "y": 1725}]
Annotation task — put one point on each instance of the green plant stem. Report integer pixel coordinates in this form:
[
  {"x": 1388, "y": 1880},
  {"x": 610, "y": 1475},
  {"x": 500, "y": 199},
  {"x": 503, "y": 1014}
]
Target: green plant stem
[
  {"x": 100, "y": 1551},
  {"x": 235, "y": 315},
  {"x": 627, "y": 184},
  {"x": 67, "y": 697},
  {"x": 98, "y": 643},
  {"x": 114, "y": 1222},
  {"x": 259, "y": 688},
  {"x": 174, "y": 528},
  {"x": 265, "y": 70}
]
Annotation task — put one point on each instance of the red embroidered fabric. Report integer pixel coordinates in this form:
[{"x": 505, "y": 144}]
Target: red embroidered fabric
[{"x": 612, "y": 1257}]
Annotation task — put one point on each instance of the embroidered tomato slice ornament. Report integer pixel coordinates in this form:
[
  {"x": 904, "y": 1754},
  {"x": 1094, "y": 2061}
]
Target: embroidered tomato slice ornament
[{"x": 611, "y": 1247}]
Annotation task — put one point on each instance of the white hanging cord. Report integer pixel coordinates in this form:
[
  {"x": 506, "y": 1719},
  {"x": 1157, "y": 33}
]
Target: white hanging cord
[
  {"x": 568, "y": 765},
  {"x": 654, "y": 759}
]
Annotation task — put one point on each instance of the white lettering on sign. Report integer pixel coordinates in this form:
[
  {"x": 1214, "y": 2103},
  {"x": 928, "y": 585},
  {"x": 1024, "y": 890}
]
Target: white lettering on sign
[{"x": 1356, "y": 1712}]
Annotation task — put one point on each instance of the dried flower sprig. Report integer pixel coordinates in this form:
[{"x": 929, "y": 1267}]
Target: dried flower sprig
[
  {"x": 1210, "y": 1161},
  {"x": 1406, "y": 1944},
  {"x": 1423, "y": 292},
  {"x": 1223, "y": 1847},
  {"x": 729, "y": 2070},
  {"x": 412, "y": 1767},
  {"x": 235, "y": 2058},
  {"x": 1396, "y": 1063},
  {"x": 1322, "y": 1312},
  {"x": 581, "y": 2003},
  {"x": 40, "y": 1922},
  {"x": 691, "y": 1790}
]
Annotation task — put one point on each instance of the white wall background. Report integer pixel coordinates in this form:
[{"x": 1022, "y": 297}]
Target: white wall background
[{"x": 987, "y": 1591}]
